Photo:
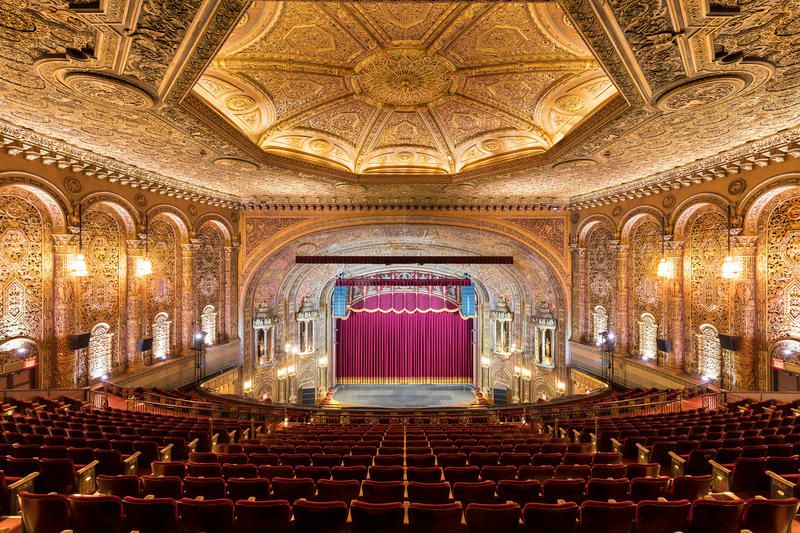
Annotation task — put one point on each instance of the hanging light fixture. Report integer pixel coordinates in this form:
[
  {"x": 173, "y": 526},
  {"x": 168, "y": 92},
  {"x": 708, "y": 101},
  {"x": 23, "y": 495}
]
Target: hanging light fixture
[
  {"x": 144, "y": 267},
  {"x": 665, "y": 269},
  {"x": 78, "y": 266},
  {"x": 730, "y": 267}
]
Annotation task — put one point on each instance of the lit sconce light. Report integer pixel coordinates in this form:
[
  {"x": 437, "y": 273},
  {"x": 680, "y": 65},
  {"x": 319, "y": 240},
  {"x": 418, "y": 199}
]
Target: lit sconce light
[
  {"x": 162, "y": 356},
  {"x": 526, "y": 373},
  {"x": 486, "y": 362},
  {"x": 323, "y": 361},
  {"x": 705, "y": 378},
  {"x": 611, "y": 336},
  {"x": 517, "y": 371},
  {"x": 78, "y": 266},
  {"x": 295, "y": 350},
  {"x": 22, "y": 352},
  {"x": 281, "y": 373},
  {"x": 144, "y": 267},
  {"x": 561, "y": 386},
  {"x": 264, "y": 398},
  {"x": 248, "y": 385},
  {"x": 665, "y": 268},
  {"x": 290, "y": 370},
  {"x": 730, "y": 268},
  {"x": 286, "y": 421}
]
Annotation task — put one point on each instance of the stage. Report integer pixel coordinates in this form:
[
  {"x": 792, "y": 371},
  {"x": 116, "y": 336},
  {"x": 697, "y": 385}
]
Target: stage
[{"x": 404, "y": 396}]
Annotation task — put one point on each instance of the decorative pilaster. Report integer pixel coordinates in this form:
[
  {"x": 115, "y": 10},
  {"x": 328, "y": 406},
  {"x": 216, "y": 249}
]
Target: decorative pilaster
[
  {"x": 231, "y": 258},
  {"x": 743, "y": 315},
  {"x": 59, "y": 369},
  {"x": 674, "y": 305},
  {"x": 134, "y": 307},
  {"x": 188, "y": 315},
  {"x": 580, "y": 330},
  {"x": 620, "y": 315}
]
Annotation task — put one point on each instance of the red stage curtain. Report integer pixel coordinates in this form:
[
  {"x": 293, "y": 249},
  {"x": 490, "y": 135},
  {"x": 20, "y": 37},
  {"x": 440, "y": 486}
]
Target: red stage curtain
[{"x": 409, "y": 346}]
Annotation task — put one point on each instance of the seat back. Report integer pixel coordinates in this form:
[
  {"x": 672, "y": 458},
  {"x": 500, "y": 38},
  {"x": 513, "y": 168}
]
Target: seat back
[
  {"x": 482, "y": 517},
  {"x": 258, "y": 516},
  {"x": 649, "y": 488},
  {"x": 162, "y": 486},
  {"x": 434, "y": 493},
  {"x": 158, "y": 515},
  {"x": 377, "y": 517},
  {"x": 607, "y": 517},
  {"x": 769, "y": 515},
  {"x": 96, "y": 514},
  {"x": 320, "y": 517},
  {"x": 569, "y": 490},
  {"x": 45, "y": 513},
  {"x": 292, "y": 489},
  {"x": 244, "y": 488},
  {"x": 655, "y": 516},
  {"x": 607, "y": 489},
  {"x": 210, "y": 488},
  {"x": 474, "y": 492},
  {"x": 382, "y": 491},
  {"x": 719, "y": 516},
  {"x": 119, "y": 486},
  {"x": 520, "y": 491},
  {"x": 690, "y": 487},
  {"x": 206, "y": 515},
  {"x": 550, "y": 517},
  {"x": 56, "y": 475},
  {"x": 431, "y": 518}
]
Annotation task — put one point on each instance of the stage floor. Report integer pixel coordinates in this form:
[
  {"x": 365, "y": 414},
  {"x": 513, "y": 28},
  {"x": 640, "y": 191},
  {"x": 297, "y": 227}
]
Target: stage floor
[{"x": 404, "y": 395}]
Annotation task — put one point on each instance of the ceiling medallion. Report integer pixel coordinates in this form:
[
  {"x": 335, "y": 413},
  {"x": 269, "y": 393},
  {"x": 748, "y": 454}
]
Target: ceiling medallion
[
  {"x": 701, "y": 92},
  {"x": 234, "y": 163},
  {"x": 573, "y": 164},
  {"x": 404, "y": 77},
  {"x": 108, "y": 90}
]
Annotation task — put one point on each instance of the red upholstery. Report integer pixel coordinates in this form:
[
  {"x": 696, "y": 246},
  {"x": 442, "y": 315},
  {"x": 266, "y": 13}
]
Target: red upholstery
[
  {"x": 386, "y": 473},
  {"x": 258, "y": 516},
  {"x": 607, "y": 517},
  {"x": 654, "y": 516},
  {"x": 162, "y": 486},
  {"x": 482, "y": 517},
  {"x": 96, "y": 514},
  {"x": 607, "y": 489},
  {"x": 272, "y": 471},
  {"x": 159, "y": 515},
  {"x": 355, "y": 472},
  {"x": 244, "y": 488},
  {"x": 427, "y": 518},
  {"x": 206, "y": 515},
  {"x": 769, "y": 516},
  {"x": 649, "y": 488},
  {"x": 230, "y": 470},
  {"x": 382, "y": 491},
  {"x": 320, "y": 517},
  {"x": 474, "y": 492},
  {"x": 210, "y": 488},
  {"x": 162, "y": 468},
  {"x": 204, "y": 469},
  {"x": 56, "y": 475},
  {"x": 292, "y": 489},
  {"x": 377, "y": 517},
  {"x": 569, "y": 490},
  {"x": 455, "y": 474},
  {"x": 690, "y": 487},
  {"x": 119, "y": 486},
  {"x": 45, "y": 513},
  {"x": 428, "y": 474},
  {"x": 716, "y": 515},
  {"x": 550, "y": 517},
  {"x": 330, "y": 490},
  {"x": 433, "y": 493},
  {"x": 519, "y": 491}
]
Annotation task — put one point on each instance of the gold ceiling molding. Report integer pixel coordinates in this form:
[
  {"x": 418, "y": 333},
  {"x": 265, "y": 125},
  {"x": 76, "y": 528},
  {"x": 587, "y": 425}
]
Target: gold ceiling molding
[{"x": 385, "y": 89}]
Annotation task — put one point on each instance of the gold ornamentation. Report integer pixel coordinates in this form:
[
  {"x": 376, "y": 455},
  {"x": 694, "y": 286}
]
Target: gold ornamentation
[
  {"x": 107, "y": 90},
  {"x": 239, "y": 103},
  {"x": 235, "y": 163},
  {"x": 703, "y": 92},
  {"x": 404, "y": 77}
]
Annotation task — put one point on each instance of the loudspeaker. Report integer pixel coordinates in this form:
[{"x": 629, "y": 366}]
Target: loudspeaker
[
  {"x": 729, "y": 342},
  {"x": 500, "y": 396},
  {"x": 143, "y": 345},
  {"x": 664, "y": 345},
  {"x": 79, "y": 341}
]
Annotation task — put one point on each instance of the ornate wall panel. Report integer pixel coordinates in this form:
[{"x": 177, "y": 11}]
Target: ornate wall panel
[
  {"x": 707, "y": 294},
  {"x": 600, "y": 269},
  {"x": 209, "y": 273},
  {"x": 99, "y": 292},
  {"x": 782, "y": 235},
  {"x": 162, "y": 296},
  {"x": 645, "y": 287},
  {"x": 22, "y": 242}
]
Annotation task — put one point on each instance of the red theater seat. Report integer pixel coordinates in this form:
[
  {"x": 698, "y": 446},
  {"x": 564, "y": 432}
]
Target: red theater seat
[
  {"x": 320, "y": 517},
  {"x": 158, "y": 515},
  {"x": 45, "y": 513},
  {"x": 201, "y": 516},
  {"x": 654, "y": 516},
  {"x": 331, "y": 490},
  {"x": 292, "y": 489},
  {"x": 377, "y": 517},
  {"x": 433, "y": 493},
  {"x": 96, "y": 514},
  {"x": 492, "y": 517},
  {"x": 244, "y": 488},
  {"x": 427, "y": 518},
  {"x": 259, "y": 516},
  {"x": 550, "y": 517},
  {"x": 607, "y": 517}
]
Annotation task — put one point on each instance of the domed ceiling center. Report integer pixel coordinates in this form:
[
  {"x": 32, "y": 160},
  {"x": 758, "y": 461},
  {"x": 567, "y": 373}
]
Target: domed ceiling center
[{"x": 404, "y": 77}]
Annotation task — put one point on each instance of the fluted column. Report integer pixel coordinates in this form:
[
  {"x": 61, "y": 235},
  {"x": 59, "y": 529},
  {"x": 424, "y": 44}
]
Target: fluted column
[
  {"x": 133, "y": 310},
  {"x": 60, "y": 369},
  {"x": 674, "y": 305},
  {"x": 620, "y": 314},
  {"x": 579, "y": 311},
  {"x": 743, "y": 317},
  {"x": 188, "y": 315}
]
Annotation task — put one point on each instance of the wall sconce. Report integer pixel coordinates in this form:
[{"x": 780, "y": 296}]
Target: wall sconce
[
  {"x": 517, "y": 371},
  {"x": 526, "y": 373},
  {"x": 144, "y": 267},
  {"x": 248, "y": 385},
  {"x": 486, "y": 362},
  {"x": 731, "y": 268},
  {"x": 287, "y": 347},
  {"x": 560, "y": 386},
  {"x": 323, "y": 361},
  {"x": 291, "y": 370},
  {"x": 78, "y": 266},
  {"x": 281, "y": 373}
]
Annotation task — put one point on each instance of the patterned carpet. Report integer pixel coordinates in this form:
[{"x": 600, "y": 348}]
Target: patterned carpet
[{"x": 405, "y": 395}]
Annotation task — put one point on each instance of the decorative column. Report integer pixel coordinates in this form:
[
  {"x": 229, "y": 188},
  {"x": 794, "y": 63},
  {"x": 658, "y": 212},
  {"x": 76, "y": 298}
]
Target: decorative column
[
  {"x": 579, "y": 311},
  {"x": 749, "y": 374},
  {"x": 620, "y": 314},
  {"x": 188, "y": 317},
  {"x": 231, "y": 266},
  {"x": 59, "y": 369},
  {"x": 134, "y": 305},
  {"x": 674, "y": 305}
]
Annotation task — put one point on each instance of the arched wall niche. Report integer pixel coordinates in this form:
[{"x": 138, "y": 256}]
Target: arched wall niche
[{"x": 272, "y": 277}]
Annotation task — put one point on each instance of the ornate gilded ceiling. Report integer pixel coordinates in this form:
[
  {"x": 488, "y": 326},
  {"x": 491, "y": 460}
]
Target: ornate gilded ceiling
[
  {"x": 370, "y": 87},
  {"x": 416, "y": 103}
]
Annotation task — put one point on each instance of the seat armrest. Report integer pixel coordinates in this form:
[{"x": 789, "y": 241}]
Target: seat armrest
[
  {"x": 720, "y": 477},
  {"x": 678, "y": 467},
  {"x": 644, "y": 453},
  {"x": 165, "y": 453},
  {"x": 594, "y": 442},
  {"x": 232, "y": 436},
  {"x": 576, "y": 436},
  {"x": 85, "y": 478},
  {"x": 214, "y": 440},
  {"x": 131, "y": 463},
  {"x": 779, "y": 487},
  {"x": 25, "y": 484},
  {"x": 616, "y": 445},
  {"x": 192, "y": 446}
]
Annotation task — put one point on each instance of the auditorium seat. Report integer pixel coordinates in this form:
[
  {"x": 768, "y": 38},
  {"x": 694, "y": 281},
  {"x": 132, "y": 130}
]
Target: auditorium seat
[
  {"x": 474, "y": 492},
  {"x": 519, "y": 491},
  {"x": 258, "y": 516},
  {"x": 539, "y": 473},
  {"x": 155, "y": 515},
  {"x": 319, "y": 517},
  {"x": 96, "y": 514},
  {"x": 162, "y": 486},
  {"x": 769, "y": 516},
  {"x": 434, "y": 518},
  {"x": 690, "y": 487},
  {"x": 607, "y": 489},
  {"x": 244, "y": 488},
  {"x": 329, "y": 490},
  {"x": 200, "y": 516},
  {"x": 607, "y": 517},
  {"x": 388, "y": 460},
  {"x": 382, "y": 491},
  {"x": 633, "y": 470},
  {"x": 573, "y": 472},
  {"x": 163, "y": 468},
  {"x": 569, "y": 490},
  {"x": 719, "y": 516},
  {"x": 203, "y": 469},
  {"x": 45, "y": 513},
  {"x": 433, "y": 493},
  {"x": 429, "y": 474},
  {"x": 272, "y": 471},
  {"x": 377, "y": 517},
  {"x": 292, "y": 489},
  {"x": 119, "y": 486},
  {"x": 541, "y": 517},
  {"x": 655, "y": 516},
  {"x": 314, "y": 472},
  {"x": 420, "y": 460},
  {"x": 482, "y": 517}
]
